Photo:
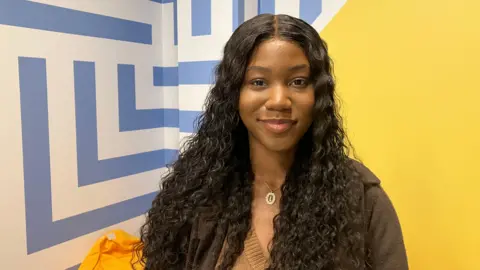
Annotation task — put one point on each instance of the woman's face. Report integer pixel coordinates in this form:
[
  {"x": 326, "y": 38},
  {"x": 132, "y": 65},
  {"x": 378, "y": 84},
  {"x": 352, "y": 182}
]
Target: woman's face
[{"x": 277, "y": 97}]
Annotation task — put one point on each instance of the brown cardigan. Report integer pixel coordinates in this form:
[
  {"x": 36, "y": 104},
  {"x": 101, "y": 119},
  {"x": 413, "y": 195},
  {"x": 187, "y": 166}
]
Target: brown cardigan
[{"x": 382, "y": 238}]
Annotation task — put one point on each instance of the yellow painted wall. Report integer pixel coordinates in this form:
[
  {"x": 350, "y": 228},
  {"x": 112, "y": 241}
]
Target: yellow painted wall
[{"x": 408, "y": 72}]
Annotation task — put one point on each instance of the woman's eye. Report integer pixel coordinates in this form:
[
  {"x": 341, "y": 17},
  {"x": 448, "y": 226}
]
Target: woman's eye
[
  {"x": 299, "y": 82},
  {"x": 259, "y": 83}
]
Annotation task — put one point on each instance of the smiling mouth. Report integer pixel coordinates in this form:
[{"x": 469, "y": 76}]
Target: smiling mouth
[{"x": 278, "y": 125}]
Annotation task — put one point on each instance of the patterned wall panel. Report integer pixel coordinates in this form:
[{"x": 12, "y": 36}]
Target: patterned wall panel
[{"x": 98, "y": 95}]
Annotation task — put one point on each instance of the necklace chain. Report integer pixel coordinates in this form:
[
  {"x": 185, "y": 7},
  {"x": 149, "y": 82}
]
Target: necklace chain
[{"x": 271, "y": 190}]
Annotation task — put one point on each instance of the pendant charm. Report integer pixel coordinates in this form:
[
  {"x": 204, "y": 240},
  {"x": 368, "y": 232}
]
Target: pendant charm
[{"x": 270, "y": 198}]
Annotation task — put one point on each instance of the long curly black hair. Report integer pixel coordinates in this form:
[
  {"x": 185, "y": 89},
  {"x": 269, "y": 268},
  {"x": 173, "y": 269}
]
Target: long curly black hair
[{"x": 318, "y": 223}]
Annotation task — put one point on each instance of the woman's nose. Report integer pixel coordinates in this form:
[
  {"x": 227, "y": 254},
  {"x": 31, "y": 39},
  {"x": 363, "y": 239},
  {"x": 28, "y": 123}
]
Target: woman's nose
[{"x": 279, "y": 98}]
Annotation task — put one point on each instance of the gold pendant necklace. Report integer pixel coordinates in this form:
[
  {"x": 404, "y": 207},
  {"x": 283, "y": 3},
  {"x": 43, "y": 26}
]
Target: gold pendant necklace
[{"x": 270, "y": 198}]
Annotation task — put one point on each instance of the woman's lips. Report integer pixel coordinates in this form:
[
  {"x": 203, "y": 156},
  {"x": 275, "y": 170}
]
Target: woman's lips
[{"x": 278, "y": 125}]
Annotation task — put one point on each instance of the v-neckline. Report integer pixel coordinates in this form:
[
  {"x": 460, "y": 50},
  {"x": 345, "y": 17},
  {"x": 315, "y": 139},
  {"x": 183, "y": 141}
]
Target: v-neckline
[{"x": 254, "y": 252}]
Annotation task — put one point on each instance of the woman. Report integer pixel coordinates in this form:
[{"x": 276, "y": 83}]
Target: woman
[{"x": 266, "y": 182}]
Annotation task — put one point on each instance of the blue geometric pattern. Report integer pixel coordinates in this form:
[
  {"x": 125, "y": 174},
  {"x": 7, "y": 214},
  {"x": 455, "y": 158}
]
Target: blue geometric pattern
[
  {"x": 63, "y": 20},
  {"x": 266, "y": 6},
  {"x": 199, "y": 72},
  {"x": 90, "y": 169},
  {"x": 74, "y": 267},
  {"x": 42, "y": 232},
  {"x": 165, "y": 76},
  {"x": 130, "y": 118},
  {"x": 201, "y": 17},
  {"x": 310, "y": 10},
  {"x": 238, "y": 13}
]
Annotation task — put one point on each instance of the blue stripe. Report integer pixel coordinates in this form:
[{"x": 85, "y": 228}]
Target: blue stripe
[
  {"x": 188, "y": 121},
  {"x": 201, "y": 17},
  {"x": 90, "y": 169},
  {"x": 36, "y": 149},
  {"x": 75, "y": 267},
  {"x": 198, "y": 72},
  {"x": 129, "y": 117},
  {"x": 238, "y": 13},
  {"x": 266, "y": 6},
  {"x": 57, "y": 19},
  {"x": 310, "y": 10},
  {"x": 165, "y": 76},
  {"x": 69, "y": 228},
  {"x": 195, "y": 72},
  {"x": 41, "y": 232}
]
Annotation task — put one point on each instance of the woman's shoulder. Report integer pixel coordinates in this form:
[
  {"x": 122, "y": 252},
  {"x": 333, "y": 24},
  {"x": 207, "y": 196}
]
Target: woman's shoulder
[
  {"x": 371, "y": 185},
  {"x": 375, "y": 198},
  {"x": 368, "y": 178},
  {"x": 383, "y": 230}
]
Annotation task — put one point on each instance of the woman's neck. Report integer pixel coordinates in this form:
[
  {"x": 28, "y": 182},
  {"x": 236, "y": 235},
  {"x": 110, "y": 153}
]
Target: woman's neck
[{"x": 270, "y": 166}]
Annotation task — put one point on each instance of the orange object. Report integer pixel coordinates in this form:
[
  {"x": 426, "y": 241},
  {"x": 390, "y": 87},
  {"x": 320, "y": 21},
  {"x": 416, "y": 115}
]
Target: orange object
[{"x": 113, "y": 251}]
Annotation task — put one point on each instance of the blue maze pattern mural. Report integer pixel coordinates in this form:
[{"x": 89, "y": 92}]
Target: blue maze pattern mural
[{"x": 41, "y": 229}]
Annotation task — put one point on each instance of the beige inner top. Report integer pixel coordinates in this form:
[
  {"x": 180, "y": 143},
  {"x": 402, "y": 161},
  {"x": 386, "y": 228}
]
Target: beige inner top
[{"x": 252, "y": 257}]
